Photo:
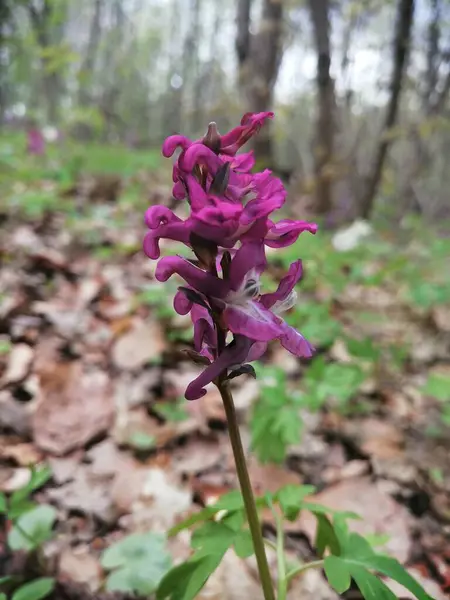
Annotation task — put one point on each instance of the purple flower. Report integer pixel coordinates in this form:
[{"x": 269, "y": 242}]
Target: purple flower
[
  {"x": 242, "y": 309},
  {"x": 229, "y": 206},
  {"x": 35, "y": 142}
]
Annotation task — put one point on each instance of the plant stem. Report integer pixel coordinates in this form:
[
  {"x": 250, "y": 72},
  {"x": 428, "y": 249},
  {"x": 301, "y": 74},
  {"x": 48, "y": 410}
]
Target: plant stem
[
  {"x": 315, "y": 564},
  {"x": 247, "y": 492},
  {"x": 281, "y": 559}
]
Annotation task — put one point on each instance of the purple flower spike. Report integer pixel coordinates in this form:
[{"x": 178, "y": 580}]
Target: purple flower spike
[
  {"x": 227, "y": 229},
  {"x": 35, "y": 142}
]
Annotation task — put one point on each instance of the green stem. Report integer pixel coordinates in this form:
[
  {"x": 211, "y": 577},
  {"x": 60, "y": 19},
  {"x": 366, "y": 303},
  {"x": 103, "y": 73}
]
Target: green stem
[
  {"x": 281, "y": 559},
  {"x": 315, "y": 564},
  {"x": 247, "y": 492}
]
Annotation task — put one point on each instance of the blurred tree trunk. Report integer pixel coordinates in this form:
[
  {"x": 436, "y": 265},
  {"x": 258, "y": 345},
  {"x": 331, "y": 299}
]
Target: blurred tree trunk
[
  {"x": 259, "y": 58},
  {"x": 6, "y": 26},
  {"x": 192, "y": 71},
  {"x": 323, "y": 142},
  {"x": 46, "y": 27},
  {"x": 173, "y": 100},
  {"x": 434, "y": 98},
  {"x": 402, "y": 39},
  {"x": 87, "y": 66}
]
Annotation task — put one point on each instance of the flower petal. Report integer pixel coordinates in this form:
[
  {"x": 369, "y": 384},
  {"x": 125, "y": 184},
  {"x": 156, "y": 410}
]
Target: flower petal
[
  {"x": 204, "y": 331},
  {"x": 160, "y": 215},
  {"x": 173, "y": 142},
  {"x": 177, "y": 230},
  {"x": 237, "y": 137},
  {"x": 285, "y": 286},
  {"x": 241, "y": 163},
  {"x": 253, "y": 321},
  {"x": 285, "y": 232},
  {"x": 293, "y": 341},
  {"x": 200, "y": 154},
  {"x": 256, "y": 351},
  {"x": 181, "y": 303},
  {"x": 198, "y": 198},
  {"x": 234, "y": 354},
  {"x": 249, "y": 257},
  {"x": 201, "y": 281}
]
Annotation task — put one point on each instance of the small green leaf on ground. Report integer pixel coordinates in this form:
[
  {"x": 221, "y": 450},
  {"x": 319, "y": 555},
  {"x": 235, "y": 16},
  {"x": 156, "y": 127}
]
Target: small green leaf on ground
[
  {"x": 35, "y": 590},
  {"x": 32, "y": 528},
  {"x": 138, "y": 563}
]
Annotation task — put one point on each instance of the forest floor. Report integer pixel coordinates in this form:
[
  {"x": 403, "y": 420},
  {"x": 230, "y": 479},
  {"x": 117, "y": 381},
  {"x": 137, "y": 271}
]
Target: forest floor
[{"x": 92, "y": 375}]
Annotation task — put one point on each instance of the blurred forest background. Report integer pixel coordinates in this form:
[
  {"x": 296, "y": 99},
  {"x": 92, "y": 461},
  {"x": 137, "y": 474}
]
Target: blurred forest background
[
  {"x": 93, "y": 366},
  {"x": 360, "y": 88}
]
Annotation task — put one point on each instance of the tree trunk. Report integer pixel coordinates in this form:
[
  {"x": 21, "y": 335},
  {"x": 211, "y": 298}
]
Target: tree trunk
[
  {"x": 87, "y": 66},
  {"x": 323, "y": 142},
  {"x": 259, "y": 59},
  {"x": 402, "y": 38},
  {"x": 41, "y": 20}
]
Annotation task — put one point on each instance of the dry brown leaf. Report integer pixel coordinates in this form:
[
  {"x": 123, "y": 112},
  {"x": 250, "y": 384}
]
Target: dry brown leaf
[
  {"x": 311, "y": 586},
  {"x": 64, "y": 468},
  {"x": 74, "y": 406},
  {"x": 87, "y": 493},
  {"x": 81, "y": 566},
  {"x": 14, "y": 415},
  {"x": 198, "y": 455},
  {"x": 24, "y": 454},
  {"x": 19, "y": 364},
  {"x": 231, "y": 581},
  {"x": 142, "y": 344},
  {"x": 154, "y": 498},
  {"x": 270, "y": 478},
  {"x": 14, "y": 479},
  {"x": 376, "y": 438},
  {"x": 380, "y": 514}
]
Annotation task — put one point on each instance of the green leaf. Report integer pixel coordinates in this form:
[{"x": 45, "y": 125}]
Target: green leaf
[
  {"x": 213, "y": 537},
  {"x": 390, "y": 567},
  {"x": 230, "y": 501},
  {"x": 6, "y": 579},
  {"x": 3, "y": 504},
  {"x": 131, "y": 548},
  {"x": 39, "y": 476},
  {"x": 20, "y": 507},
  {"x": 174, "y": 412},
  {"x": 276, "y": 417},
  {"x": 186, "y": 580},
  {"x": 337, "y": 574},
  {"x": 291, "y": 498},
  {"x": 32, "y": 528},
  {"x": 358, "y": 547},
  {"x": 35, "y": 590},
  {"x": 139, "y": 561},
  {"x": 141, "y": 440},
  {"x": 326, "y": 536},
  {"x": 193, "y": 519},
  {"x": 376, "y": 539},
  {"x": 437, "y": 386},
  {"x": 363, "y": 348},
  {"x": 370, "y": 586},
  {"x": 243, "y": 544},
  {"x": 3, "y": 597}
]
